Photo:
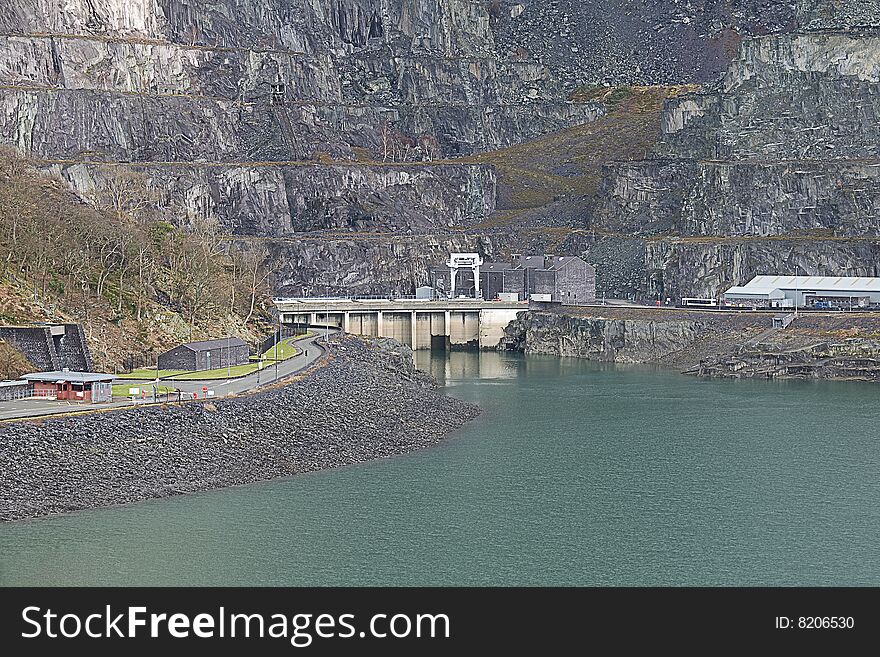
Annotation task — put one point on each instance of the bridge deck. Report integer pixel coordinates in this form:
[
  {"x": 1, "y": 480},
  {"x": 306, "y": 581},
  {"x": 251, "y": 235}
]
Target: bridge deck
[{"x": 391, "y": 305}]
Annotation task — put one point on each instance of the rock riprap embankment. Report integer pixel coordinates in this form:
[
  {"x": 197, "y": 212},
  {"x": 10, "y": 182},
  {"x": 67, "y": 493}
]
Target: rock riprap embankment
[{"x": 366, "y": 402}]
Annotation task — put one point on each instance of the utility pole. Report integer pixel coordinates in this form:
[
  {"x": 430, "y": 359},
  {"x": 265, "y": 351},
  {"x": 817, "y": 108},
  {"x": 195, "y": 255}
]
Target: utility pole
[{"x": 228, "y": 364}]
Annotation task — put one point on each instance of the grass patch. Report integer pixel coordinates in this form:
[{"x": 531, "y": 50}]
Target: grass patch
[
  {"x": 568, "y": 164},
  {"x": 219, "y": 373},
  {"x": 281, "y": 351},
  {"x": 121, "y": 390}
]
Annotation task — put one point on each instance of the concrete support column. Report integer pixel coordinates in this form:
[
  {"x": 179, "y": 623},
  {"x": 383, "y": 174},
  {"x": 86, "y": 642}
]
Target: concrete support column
[
  {"x": 447, "y": 327},
  {"x": 380, "y": 324},
  {"x": 346, "y": 322},
  {"x": 453, "y": 272},
  {"x": 313, "y": 319},
  {"x": 413, "y": 334},
  {"x": 477, "y": 281}
]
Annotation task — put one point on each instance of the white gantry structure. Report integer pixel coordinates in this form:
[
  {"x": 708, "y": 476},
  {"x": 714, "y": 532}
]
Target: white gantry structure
[{"x": 471, "y": 261}]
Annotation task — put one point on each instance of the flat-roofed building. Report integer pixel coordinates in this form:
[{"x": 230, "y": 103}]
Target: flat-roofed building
[
  {"x": 806, "y": 292},
  {"x": 71, "y": 386}
]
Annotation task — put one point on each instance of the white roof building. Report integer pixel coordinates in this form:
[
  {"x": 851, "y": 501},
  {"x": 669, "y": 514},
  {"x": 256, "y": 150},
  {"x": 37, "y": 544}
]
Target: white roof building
[{"x": 805, "y": 289}]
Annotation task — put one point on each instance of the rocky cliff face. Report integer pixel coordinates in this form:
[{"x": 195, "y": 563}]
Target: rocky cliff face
[
  {"x": 623, "y": 42},
  {"x": 278, "y": 200},
  {"x": 361, "y": 266},
  {"x": 334, "y": 73},
  {"x": 281, "y": 118},
  {"x": 599, "y": 338},
  {"x": 776, "y": 168},
  {"x": 322, "y": 123}
]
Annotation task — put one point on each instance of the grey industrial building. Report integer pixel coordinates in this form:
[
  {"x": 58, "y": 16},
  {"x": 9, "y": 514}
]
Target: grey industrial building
[
  {"x": 205, "y": 355},
  {"x": 806, "y": 292},
  {"x": 566, "y": 280}
]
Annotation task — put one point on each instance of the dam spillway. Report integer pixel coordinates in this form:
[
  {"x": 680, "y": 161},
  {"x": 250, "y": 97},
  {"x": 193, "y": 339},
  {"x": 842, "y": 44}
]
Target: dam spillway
[{"x": 420, "y": 324}]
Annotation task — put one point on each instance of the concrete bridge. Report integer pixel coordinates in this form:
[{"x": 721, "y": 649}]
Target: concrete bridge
[{"x": 421, "y": 324}]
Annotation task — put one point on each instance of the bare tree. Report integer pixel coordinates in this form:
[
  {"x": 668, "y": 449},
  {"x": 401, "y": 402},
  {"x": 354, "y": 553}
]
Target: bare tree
[
  {"x": 386, "y": 140},
  {"x": 125, "y": 194},
  {"x": 430, "y": 147},
  {"x": 258, "y": 272}
]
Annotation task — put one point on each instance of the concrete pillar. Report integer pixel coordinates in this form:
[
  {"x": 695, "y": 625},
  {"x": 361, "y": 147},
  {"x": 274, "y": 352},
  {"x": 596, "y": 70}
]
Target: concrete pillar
[
  {"x": 380, "y": 325},
  {"x": 413, "y": 334},
  {"x": 477, "y": 281},
  {"x": 346, "y": 322},
  {"x": 453, "y": 272},
  {"x": 447, "y": 331},
  {"x": 313, "y": 319}
]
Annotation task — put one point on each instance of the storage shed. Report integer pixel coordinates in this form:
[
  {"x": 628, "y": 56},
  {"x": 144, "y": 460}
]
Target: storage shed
[{"x": 206, "y": 355}]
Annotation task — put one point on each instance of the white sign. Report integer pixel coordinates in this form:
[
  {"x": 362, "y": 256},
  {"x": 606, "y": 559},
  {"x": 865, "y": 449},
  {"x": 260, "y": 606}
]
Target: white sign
[{"x": 134, "y": 392}]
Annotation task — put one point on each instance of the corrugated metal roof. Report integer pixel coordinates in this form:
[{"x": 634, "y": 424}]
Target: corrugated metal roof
[
  {"x": 775, "y": 293},
  {"x": 73, "y": 377},
  {"x": 766, "y": 284}
]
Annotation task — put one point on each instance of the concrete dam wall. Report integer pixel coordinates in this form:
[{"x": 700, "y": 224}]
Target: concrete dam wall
[{"x": 417, "y": 324}]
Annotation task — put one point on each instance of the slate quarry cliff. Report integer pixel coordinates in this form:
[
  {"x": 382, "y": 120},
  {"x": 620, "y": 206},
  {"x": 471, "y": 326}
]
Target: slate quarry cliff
[
  {"x": 280, "y": 118},
  {"x": 346, "y": 135},
  {"x": 774, "y": 168}
]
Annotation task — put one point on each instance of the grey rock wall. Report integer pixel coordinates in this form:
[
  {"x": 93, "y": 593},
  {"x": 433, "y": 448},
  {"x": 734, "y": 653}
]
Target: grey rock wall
[
  {"x": 742, "y": 198},
  {"x": 598, "y": 338},
  {"x": 624, "y": 42},
  {"x": 35, "y": 343},
  {"x": 788, "y": 97},
  {"x": 347, "y": 68},
  {"x": 277, "y": 200},
  {"x": 367, "y": 267},
  {"x": 709, "y": 268},
  {"x": 774, "y": 169}
]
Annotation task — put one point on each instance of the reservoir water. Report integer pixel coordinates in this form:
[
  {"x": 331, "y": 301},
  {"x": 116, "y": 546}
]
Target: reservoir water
[{"x": 576, "y": 473}]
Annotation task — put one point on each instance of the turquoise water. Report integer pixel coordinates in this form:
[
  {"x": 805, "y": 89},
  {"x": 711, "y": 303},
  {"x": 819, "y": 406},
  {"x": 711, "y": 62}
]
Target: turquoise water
[{"x": 575, "y": 474}]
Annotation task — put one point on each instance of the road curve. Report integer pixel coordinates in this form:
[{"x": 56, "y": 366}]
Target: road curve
[{"x": 311, "y": 351}]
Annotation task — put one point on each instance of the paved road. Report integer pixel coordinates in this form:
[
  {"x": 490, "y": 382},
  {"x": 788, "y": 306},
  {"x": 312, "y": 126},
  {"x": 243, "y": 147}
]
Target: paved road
[
  {"x": 20, "y": 408},
  {"x": 265, "y": 376},
  {"x": 38, "y": 407}
]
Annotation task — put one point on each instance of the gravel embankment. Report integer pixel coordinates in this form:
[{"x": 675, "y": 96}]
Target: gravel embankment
[{"x": 367, "y": 402}]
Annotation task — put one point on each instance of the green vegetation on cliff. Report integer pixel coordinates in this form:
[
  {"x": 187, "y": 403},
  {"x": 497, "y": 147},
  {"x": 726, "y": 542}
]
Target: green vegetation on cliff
[{"x": 135, "y": 281}]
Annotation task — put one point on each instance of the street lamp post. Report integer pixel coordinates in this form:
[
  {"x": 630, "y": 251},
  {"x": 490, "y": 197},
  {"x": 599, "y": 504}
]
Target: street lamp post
[{"x": 276, "y": 345}]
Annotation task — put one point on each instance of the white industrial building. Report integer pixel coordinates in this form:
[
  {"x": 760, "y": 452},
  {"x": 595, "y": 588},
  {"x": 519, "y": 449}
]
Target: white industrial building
[{"x": 805, "y": 292}]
